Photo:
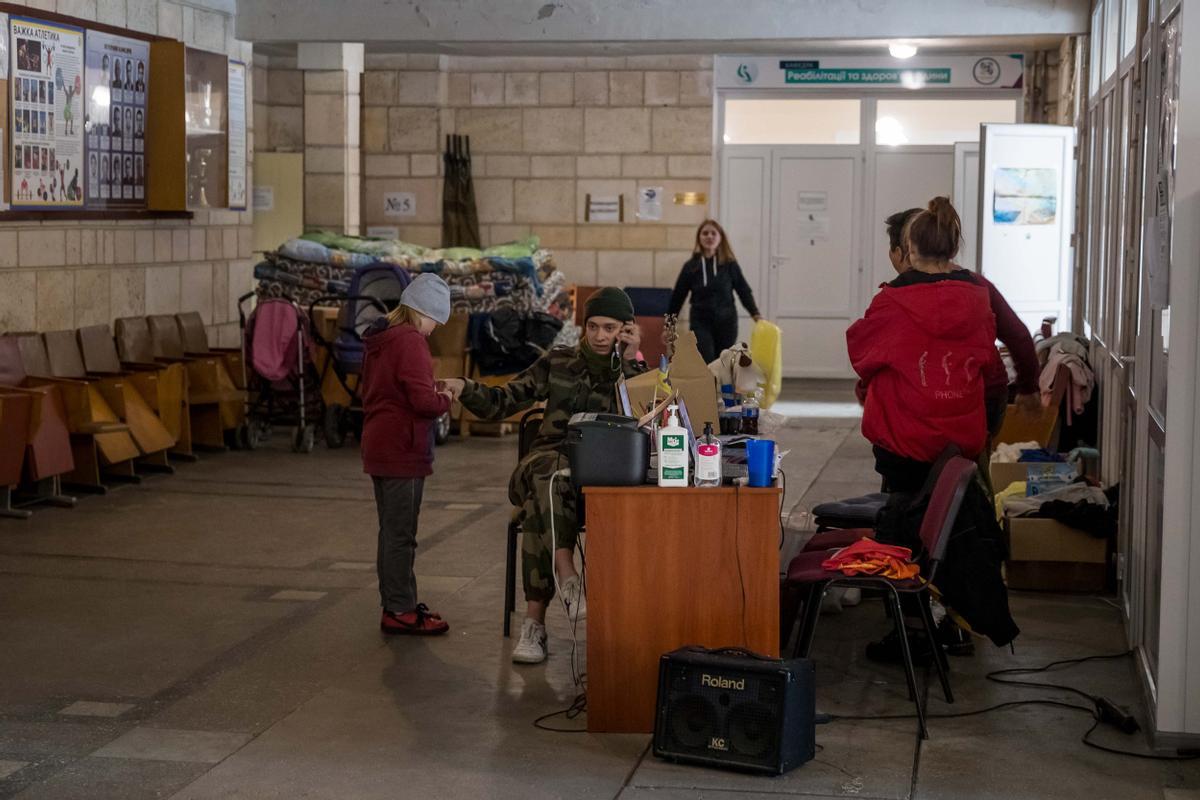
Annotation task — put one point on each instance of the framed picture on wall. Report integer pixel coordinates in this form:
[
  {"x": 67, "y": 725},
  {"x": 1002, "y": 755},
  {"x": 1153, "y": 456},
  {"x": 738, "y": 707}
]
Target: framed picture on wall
[{"x": 118, "y": 77}]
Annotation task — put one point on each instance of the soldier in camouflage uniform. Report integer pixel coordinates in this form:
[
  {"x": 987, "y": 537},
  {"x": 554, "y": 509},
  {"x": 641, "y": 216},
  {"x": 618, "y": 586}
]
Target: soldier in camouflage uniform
[{"x": 570, "y": 381}]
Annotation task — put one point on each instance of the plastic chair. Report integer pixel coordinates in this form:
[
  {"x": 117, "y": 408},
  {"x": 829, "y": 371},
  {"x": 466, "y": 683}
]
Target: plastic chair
[
  {"x": 806, "y": 573},
  {"x": 527, "y": 430}
]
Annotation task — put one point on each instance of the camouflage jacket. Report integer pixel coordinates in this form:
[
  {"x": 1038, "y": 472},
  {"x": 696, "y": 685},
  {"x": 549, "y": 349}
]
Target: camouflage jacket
[{"x": 562, "y": 380}]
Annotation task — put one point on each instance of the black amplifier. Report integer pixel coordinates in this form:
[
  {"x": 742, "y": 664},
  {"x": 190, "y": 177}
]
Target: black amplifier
[{"x": 734, "y": 709}]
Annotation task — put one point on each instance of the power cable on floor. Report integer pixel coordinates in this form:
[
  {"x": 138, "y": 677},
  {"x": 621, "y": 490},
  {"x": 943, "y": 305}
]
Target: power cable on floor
[
  {"x": 1102, "y": 709},
  {"x": 577, "y": 707}
]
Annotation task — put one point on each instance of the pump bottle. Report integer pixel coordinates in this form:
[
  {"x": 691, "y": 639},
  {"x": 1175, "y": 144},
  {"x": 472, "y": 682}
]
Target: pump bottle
[
  {"x": 673, "y": 451},
  {"x": 708, "y": 459}
]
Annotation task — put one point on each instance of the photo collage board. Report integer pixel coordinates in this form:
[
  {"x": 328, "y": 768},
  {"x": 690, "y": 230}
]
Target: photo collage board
[
  {"x": 118, "y": 74},
  {"x": 46, "y": 87}
]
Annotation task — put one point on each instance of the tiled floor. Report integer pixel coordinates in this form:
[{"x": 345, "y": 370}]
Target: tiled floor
[{"x": 214, "y": 635}]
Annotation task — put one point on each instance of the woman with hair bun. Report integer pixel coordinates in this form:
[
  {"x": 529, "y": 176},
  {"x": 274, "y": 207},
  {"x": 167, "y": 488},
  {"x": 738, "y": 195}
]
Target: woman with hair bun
[{"x": 920, "y": 353}]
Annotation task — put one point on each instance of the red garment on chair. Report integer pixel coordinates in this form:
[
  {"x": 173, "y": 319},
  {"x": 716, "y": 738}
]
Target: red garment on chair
[{"x": 869, "y": 557}]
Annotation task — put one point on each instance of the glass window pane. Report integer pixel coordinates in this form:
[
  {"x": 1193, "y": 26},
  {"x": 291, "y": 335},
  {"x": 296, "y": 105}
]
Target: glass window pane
[
  {"x": 791, "y": 121},
  {"x": 900, "y": 122},
  {"x": 1095, "y": 49},
  {"x": 1129, "y": 27},
  {"x": 1112, "y": 26}
]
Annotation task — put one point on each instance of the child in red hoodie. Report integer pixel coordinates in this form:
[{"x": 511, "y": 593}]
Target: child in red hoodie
[{"x": 400, "y": 404}]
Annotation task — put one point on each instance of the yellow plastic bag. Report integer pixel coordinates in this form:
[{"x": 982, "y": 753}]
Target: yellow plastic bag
[{"x": 766, "y": 348}]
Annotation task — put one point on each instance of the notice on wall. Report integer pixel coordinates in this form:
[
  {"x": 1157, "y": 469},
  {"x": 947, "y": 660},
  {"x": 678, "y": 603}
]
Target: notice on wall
[
  {"x": 264, "y": 198},
  {"x": 118, "y": 79},
  {"x": 399, "y": 204},
  {"x": 650, "y": 203},
  {"x": 383, "y": 232},
  {"x": 812, "y": 223},
  {"x": 237, "y": 135},
  {"x": 604, "y": 208},
  {"x": 46, "y": 84}
]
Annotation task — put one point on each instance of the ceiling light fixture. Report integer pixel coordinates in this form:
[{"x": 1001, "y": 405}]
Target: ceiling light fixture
[{"x": 902, "y": 50}]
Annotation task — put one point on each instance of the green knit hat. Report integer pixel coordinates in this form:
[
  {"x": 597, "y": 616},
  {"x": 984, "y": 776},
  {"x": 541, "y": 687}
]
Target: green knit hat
[{"x": 609, "y": 302}]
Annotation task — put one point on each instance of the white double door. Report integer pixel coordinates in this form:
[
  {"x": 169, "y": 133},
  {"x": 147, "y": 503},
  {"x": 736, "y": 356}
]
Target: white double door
[{"x": 806, "y": 223}]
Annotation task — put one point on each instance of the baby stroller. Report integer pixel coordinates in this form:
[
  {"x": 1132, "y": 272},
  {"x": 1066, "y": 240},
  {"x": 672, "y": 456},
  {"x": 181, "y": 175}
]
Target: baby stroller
[
  {"x": 374, "y": 291},
  {"x": 282, "y": 382}
]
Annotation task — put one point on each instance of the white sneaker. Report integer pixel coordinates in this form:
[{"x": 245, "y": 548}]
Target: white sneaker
[
  {"x": 574, "y": 599},
  {"x": 532, "y": 647}
]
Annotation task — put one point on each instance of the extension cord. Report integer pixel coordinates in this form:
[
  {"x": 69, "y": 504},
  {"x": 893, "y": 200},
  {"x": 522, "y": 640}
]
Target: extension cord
[{"x": 1116, "y": 716}]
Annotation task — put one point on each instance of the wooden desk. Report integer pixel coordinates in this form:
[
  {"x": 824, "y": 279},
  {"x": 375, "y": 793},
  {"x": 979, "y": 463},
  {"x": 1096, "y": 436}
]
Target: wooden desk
[{"x": 668, "y": 568}]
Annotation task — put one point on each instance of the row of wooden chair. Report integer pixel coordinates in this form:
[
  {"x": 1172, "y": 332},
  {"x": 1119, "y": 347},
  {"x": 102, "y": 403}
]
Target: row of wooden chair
[{"x": 86, "y": 408}]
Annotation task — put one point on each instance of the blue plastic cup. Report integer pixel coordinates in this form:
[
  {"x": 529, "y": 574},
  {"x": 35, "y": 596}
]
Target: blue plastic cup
[{"x": 760, "y": 461}]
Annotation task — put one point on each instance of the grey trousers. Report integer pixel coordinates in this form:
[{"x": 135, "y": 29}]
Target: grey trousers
[{"x": 398, "y": 501}]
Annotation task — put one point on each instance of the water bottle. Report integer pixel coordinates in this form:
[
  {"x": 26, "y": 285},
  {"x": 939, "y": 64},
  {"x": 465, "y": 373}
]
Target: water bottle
[{"x": 750, "y": 415}]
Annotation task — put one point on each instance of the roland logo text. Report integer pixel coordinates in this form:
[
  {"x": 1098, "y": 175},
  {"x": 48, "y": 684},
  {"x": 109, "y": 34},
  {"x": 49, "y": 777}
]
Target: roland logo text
[{"x": 717, "y": 682}]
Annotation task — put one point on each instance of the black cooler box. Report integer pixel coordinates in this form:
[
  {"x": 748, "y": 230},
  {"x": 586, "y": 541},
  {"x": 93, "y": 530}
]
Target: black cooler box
[{"x": 607, "y": 450}]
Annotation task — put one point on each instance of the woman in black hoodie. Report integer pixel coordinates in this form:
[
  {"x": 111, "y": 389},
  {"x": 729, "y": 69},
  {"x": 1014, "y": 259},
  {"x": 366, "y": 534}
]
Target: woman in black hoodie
[{"x": 711, "y": 276}]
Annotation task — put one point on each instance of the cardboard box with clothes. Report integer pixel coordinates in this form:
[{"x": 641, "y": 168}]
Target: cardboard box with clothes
[{"x": 689, "y": 376}]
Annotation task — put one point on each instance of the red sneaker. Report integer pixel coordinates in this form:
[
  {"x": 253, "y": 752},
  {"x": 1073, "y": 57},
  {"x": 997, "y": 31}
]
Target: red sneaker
[{"x": 418, "y": 622}]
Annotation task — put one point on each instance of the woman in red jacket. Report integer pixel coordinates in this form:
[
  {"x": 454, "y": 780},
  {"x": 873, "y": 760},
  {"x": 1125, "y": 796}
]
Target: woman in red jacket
[
  {"x": 1009, "y": 329},
  {"x": 400, "y": 404},
  {"x": 920, "y": 353}
]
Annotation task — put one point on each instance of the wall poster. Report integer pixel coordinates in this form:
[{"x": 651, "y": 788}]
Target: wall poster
[
  {"x": 237, "y": 135},
  {"x": 118, "y": 75},
  {"x": 46, "y": 81}
]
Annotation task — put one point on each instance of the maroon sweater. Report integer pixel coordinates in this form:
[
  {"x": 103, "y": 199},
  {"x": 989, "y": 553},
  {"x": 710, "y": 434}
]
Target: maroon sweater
[
  {"x": 1015, "y": 336},
  {"x": 399, "y": 403}
]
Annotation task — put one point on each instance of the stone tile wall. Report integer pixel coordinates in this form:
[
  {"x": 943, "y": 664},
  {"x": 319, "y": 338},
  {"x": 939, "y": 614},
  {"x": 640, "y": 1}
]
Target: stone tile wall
[
  {"x": 546, "y": 132},
  {"x": 66, "y": 274}
]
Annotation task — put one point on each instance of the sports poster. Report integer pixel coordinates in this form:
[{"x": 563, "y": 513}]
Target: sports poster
[
  {"x": 118, "y": 75},
  {"x": 46, "y": 87}
]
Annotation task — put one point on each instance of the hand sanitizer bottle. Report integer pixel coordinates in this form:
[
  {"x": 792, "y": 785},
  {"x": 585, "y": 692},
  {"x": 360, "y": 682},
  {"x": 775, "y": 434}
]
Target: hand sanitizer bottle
[
  {"x": 708, "y": 459},
  {"x": 673, "y": 451}
]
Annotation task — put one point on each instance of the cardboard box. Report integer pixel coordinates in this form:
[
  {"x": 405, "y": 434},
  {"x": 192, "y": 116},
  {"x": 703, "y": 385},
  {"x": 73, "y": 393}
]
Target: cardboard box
[
  {"x": 450, "y": 340},
  {"x": 1046, "y": 555},
  {"x": 689, "y": 376},
  {"x": 1004, "y": 473}
]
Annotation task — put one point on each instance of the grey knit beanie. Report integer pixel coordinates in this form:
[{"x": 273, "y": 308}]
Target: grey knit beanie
[{"x": 430, "y": 295}]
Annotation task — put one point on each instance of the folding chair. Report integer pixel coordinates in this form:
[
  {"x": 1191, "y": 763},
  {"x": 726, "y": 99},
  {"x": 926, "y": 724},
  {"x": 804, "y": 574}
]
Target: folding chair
[
  {"x": 161, "y": 386},
  {"x": 14, "y": 437},
  {"x": 208, "y": 378},
  {"x": 195, "y": 343},
  {"x": 135, "y": 351},
  {"x": 100, "y": 442},
  {"x": 47, "y": 441},
  {"x": 152, "y": 437},
  {"x": 806, "y": 573}
]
